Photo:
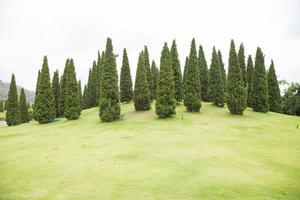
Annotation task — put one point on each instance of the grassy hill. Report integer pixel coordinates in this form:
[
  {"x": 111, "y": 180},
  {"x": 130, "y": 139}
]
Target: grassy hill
[{"x": 207, "y": 155}]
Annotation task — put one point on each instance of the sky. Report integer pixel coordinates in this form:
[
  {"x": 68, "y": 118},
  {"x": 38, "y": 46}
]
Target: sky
[{"x": 78, "y": 29}]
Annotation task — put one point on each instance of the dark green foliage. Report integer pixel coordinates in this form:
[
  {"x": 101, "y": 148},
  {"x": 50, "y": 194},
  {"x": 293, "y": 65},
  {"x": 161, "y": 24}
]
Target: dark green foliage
[
  {"x": 223, "y": 72},
  {"x": 275, "y": 102},
  {"x": 192, "y": 90},
  {"x": 142, "y": 95},
  {"x": 84, "y": 97},
  {"x": 259, "y": 100},
  {"x": 1, "y": 106},
  {"x": 165, "y": 99},
  {"x": 184, "y": 71},
  {"x": 176, "y": 72},
  {"x": 249, "y": 79},
  {"x": 148, "y": 70},
  {"x": 154, "y": 73},
  {"x": 99, "y": 65},
  {"x": 92, "y": 90},
  {"x": 24, "y": 117},
  {"x": 13, "y": 112},
  {"x": 236, "y": 92},
  {"x": 109, "y": 101},
  {"x": 204, "y": 75},
  {"x": 291, "y": 100},
  {"x": 63, "y": 89},
  {"x": 80, "y": 95},
  {"x": 216, "y": 82},
  {"x": 36, "y": 92},
  {"x": 126, "y": 93},
  {"x": 241, "y": 55},
  {"x": 55, "y": 88},
  {"x": 72, "y": 103},
  {"x": 45, "y": 108}
]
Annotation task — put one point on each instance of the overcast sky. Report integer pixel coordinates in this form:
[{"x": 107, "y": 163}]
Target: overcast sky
[{"x": 78, "y": 29}]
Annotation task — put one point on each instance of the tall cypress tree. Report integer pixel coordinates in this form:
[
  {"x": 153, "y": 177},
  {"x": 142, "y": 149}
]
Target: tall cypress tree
[
  {"x": 80, "y": 95},
  {"x": 98, "y": 77},
  {"x": 100, "y": 72},
  {"x": 63, "y": 85},
  {"x": 275, "y": 101},
  {"x": 142, "y": 94},
  {"x": 176, "y": 72},
  {"x": 184, "y": 71},
  {"x": 259, "y": 100},
  {"x": 165, "y": 99},
  {"x": 45, "y": 108},
  {"x": 148, "y": 70},
  {"x": 12, "y": 112},
  {"x": 236, "y": 92},
  {"x": 204, "y": 75},
  {"x": 217, "y": 94},
  {"x": 84, "y": 97},
  {"x": 72, "y": 103},
  {"x": 92, "y": 91},
  {"x": 154, "y": 73},
  {"x": 109, "y": 101},
  {"x": 24, "y": 117},
  {"x": 36, "y": 92},
  {"x": 241, "y": 55},
  {"x": 223, "y": 72},
  {"x": 126, "y": 93},
  {"x": 192, "y": 90},
  {"x": 249, "y": 80},
  {"x": 55, "y": 88}
]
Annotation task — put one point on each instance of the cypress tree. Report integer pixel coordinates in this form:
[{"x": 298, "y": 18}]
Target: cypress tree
[
  {"x": 148, "y": 70},
  {"x": 13, "y": 112},
  {"x": 80, "y": 95},
  {"x": 109, "y": 101},
  {"x": 72, "y": 103},
  {"x": 92, "y": 91},
  {"x": 35, "y": 96},
  {"x": 100, "y": 72},
  {"x": 204, "y": 75},
  {"x": 249, "y": 79},
  {"x": 192, "y": 90},
  {"x": 1, "y": 106},
  {"x": 154, "y": 73},
  {"x": 241, "y": 55},
  {"x": 216, "y": 81},
  {"x": 176, "y": 72},
  {"x": 98, "y": 77},
  {"x": 63, "y": 85},
  {"x": 275, "y": 101},
  {"x": 165, "y": 99},
  {"x": 236, "y": 92},
  {"x": 84, "y": 97},
  {"x": 184, "y": 71},
  {"x": 45, "y": 108},
  {"x": 259, "y": 100},
  {"x": 126, "y": 93},
  {"x": 142, "y": 95},
  {"x": 55, "y": 88},
  {"x": 24, "y": 117},
  {"x": 223, "y": 72}
]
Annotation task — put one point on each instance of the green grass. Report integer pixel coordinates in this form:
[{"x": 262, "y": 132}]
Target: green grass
[{"x": 207, "y": 155}]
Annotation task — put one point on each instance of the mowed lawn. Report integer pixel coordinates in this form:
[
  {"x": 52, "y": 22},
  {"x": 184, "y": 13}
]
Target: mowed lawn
[{"x": 206, "y": 155}]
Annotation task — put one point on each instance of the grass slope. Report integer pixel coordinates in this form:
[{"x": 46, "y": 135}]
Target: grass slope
[{"x": 207, "y": 155}]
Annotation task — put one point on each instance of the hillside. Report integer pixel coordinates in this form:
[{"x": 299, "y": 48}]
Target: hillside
[
  {"x": 206, "y": 155},
  {"x": 4, "y": 87}
]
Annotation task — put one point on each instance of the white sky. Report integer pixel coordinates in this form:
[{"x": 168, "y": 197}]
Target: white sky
[{"x": 60, "y": 29}]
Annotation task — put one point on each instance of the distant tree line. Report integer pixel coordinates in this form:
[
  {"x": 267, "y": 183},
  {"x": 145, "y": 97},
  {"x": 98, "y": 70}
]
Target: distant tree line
[{"x": 246, "y": 84}]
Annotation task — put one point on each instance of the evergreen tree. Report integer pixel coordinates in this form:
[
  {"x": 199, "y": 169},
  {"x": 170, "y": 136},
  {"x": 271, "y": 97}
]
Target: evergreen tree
[
  {"x": 80, "y": 95},
  {"x": 241, "y": 55},
  {"x": 249, "y": 80},
  {"x": 165, "y": 99},
  {"x": 142, "y": 95},
  {"x": 35, "y": 96},
  {"x": 236, "y": 92},
  {"x": 84, "y": 97},
  {"x": 192, "y": 88},
  {"x": 109, "y": 101},
  {"x": 176, "y": 72},
  {"x": 24, "y": 117},
  {"x": 126, "y": 93},
  {"x": 204, "y": 75},
  {"x": 259, "y": 100},
  {"x": 98, "y": 77},
  {"x": 275, "y": 101},
  {"x": 72, "y": 103},
  {"x": 154, "y": 73},
  {"x": 217, "y": 94},
  {"x": 13, "y": 112},
  {"x": 223, "y": 72},
  {"x": 63, "y": 89},
  {"x": 1, "y": 106},
  {"x": 92, "y": 91},
  {"x": 148, "y": 70},
  {"x": 184, "y": 71},
  {"x": 100, "y": 72},
  {"x": 45, "y": 108},
  {"x": 55, "y": 88}
]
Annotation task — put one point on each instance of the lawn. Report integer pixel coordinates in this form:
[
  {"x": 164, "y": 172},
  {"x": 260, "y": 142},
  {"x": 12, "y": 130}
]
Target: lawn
[{"x": 206, "y": 155}]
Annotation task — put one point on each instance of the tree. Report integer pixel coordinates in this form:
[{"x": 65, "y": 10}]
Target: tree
[
  {"x": 249, "y": 79},
  {"x": 1, "y": 106},
  {"x": 236, "y": 92},
  {"x": 192, "y": 90},
  {"x": 84, "y": 97},
  {"x": 204, "y": 75},
  {"x": 80, "y": 95},
  {"x": 126, "y": 93},
  {"x": 36, "y": 92},
  {"x": 259, "y": 101},
  {"x": 55, "y": 89},
  {"x": 154, "y": 73},
  {"x": 63, "y": 85},
  {"x": 99, "y": 59},
  {"x": 176, "y": 72},
  {"x": 217, "y": 94},
  {"x": 13, "y": 112},
  {"x": 223, "y": 72},
  {"x": 291, "y": 100},
  {"x": 109, "y": 101},
  {"x": 148, "y": 70},
  {"x": 241, "y": 55},
  {"x": 184, "y": 71},
  {"x": 24, "y": 117},
  {"x": 142, "y": 95},
  {"x": 165, "y": 100},
  {"x": 275, "y": 102},
  {"x": 72, "y": 103},
  {"x": 45, "y": 108},
  {"x": 92, "y": 91}
]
